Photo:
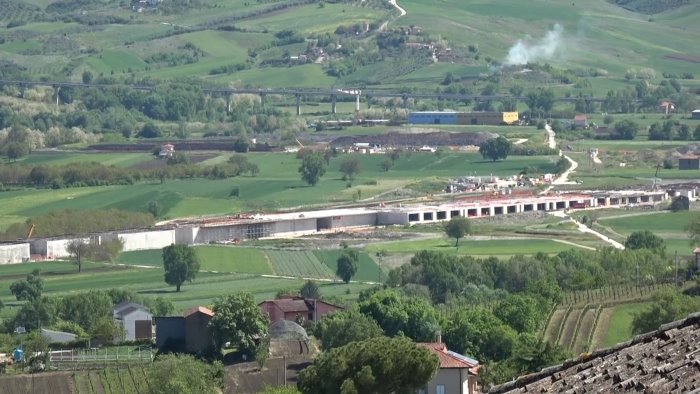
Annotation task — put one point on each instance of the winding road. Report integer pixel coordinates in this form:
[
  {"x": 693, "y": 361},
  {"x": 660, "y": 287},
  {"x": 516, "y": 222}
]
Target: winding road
[
  {"x": 563, "y": 179},
  {"x": 398, "y": 7}
]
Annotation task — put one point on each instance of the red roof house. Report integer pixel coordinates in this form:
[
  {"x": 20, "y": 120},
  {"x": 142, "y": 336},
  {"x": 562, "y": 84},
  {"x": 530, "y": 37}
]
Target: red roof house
[
  {"x": 580, "y": 121},
  {"x": 666, "y": 107},
  {"x": 457, "y": 373},
  {"x": 297, "y": 309}
]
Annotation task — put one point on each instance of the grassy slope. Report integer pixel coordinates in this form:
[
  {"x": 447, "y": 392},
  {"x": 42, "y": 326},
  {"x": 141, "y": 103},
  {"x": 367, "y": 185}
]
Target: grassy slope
[
  {"x": 278, "y": 184},
  {"x": 367, "y": 269},
  {"x": 149, "y": 282},
  {"x": 475, "y": 248},
  {"x": 620, "y": 328},
  {"x": 597, "y": 35}
]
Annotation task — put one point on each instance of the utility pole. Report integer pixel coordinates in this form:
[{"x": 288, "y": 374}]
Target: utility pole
[
  {"x": 676, "y": 264},
  {"x": 638, "y": 273}
]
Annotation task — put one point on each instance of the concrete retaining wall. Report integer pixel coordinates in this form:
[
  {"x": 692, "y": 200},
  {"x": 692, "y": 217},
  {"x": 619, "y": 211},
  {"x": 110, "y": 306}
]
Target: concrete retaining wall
[
  {"x": 143, "y": 240},
  {"x": 14, "y": 253},
  {"x": 294, "y": 227},
  {"x": 53, "y": 248}
]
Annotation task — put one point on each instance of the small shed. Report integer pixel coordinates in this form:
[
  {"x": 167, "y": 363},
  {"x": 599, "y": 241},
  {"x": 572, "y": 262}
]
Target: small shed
[
  {"x": 695, "y": 114},
  {"x": 135, "y": 319},
  {"x": 689, "y": 162},
  {"x": 580, "y": 121}
]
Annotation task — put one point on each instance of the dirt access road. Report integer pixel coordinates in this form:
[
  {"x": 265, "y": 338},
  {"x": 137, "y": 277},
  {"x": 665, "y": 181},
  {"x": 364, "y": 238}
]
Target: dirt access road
[{"x": 398, "y": 7}]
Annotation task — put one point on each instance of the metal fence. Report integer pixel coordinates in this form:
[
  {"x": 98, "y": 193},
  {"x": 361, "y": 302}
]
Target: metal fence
[{"x": 129, "y": 354}]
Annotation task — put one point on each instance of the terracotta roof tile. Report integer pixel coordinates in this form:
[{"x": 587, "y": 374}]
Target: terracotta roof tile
[
  {"x": 291, "y": 305},
  {"x": 199, "y": 309},
  {"x": 662, "y": 361},
  {"x": 450, "y": 359}
]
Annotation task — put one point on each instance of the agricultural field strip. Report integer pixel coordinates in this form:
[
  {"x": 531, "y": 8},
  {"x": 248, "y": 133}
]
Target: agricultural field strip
[
  {"x": 584, "y": 329},
  {"x": 555, "y": 323},
  {"x": 303, "y": 264},
  {"x": 567, "y": 336}
]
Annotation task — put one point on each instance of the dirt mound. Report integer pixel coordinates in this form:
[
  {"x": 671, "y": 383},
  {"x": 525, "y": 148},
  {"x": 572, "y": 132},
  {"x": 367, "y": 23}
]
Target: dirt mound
[{"x": 409, "y": 139}]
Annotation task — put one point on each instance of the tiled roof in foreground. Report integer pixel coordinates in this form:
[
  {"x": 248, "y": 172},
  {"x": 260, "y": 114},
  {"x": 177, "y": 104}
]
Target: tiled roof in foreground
[{"x": 663, "y": 361}]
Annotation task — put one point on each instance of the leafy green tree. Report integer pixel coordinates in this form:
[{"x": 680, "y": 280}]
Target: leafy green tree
[
  {"x": 78, "y": 248},
  {"x": 72, "y": 327},
  {"x": 350, "y": 167},
  {"x": 680, "y": 203},
  {"x": 87, "y": 77},
  {"x": 386, "y": 165},
  {"x": 520, "y": 312},
  {"x": 28, "y": 289},
  {"x": 16, "y": 150},
  {"x": 457, "y": 228},
  {"x": 181, "y": 373},
  {"x": 161, "y": 306},
  {"x": 480, "y": 334},
  {"x": 347, "y": 264},
  {"x": 668, "y": 305},
  {"x": 625, "y": 129},
  {"x": 645, "y": 239},
  {"x": 312, "y": 168},
  {"x": 341, "y": 328},
  {"x": 399, "y": 315},
  {"x": 377, "y": 365},
  {"x": 150, "y": 130},
  {"x": 106, "y": 330},
  {"x": 310, "y": 290},
  {"x": 34, "y": 314},
  {"x": 180, "y": 263},
  {"x": 85, "y": 308},
  {"x": 238, "y": 320},
  {"x": 241, "y": 145},
  {"x": 496, "y": 149},
  {"x": 562, "y": 165}
]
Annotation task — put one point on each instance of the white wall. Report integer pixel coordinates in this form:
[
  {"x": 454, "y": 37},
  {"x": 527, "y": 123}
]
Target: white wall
[
  {"x": 14, "y": 253},
  {"x": 145, "y": 239}
]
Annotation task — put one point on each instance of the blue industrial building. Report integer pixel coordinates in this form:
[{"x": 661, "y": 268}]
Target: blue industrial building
[{"x": 431, "y": 117}]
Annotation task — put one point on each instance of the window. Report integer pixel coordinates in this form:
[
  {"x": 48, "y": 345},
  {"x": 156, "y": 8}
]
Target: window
[{"x": 440, "y": 389}]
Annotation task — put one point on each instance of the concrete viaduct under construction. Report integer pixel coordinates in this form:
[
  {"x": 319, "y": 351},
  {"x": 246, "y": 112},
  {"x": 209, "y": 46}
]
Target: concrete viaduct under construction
[{"x": 294, "y": 224}]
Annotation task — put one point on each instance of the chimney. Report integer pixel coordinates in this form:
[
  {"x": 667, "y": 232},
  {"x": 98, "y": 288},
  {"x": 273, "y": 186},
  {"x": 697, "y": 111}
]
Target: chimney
[{"x": 438, "y": 338}]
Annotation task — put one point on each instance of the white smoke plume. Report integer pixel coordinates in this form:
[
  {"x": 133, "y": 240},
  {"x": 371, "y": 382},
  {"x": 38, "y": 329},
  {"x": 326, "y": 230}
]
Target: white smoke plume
[{"x": 524, "y": 52}]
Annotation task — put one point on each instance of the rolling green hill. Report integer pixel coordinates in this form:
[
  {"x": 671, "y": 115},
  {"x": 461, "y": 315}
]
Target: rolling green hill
[{"x": 238, "y": 42}]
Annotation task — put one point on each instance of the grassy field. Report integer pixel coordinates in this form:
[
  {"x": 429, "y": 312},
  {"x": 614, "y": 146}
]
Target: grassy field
[
  {"x": 671, "y": 226},
  {"x": 496, "y": 247},
  {"x": 62, "y": 278},
  {"x": 277, "y": 185},
  {"x": 620, "y": 327},
  {"x": 367, "y": 268},
  {"x": 212, "y": 258},
  {"x": 302, "y": 264},
  {"x": 597, "y": 35}
]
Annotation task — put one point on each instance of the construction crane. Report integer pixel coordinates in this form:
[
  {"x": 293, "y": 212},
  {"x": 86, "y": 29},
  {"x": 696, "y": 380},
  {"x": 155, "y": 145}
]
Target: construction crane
[
  {"x": 653, "y": 185},
  {"x": 31, "y": 231}
]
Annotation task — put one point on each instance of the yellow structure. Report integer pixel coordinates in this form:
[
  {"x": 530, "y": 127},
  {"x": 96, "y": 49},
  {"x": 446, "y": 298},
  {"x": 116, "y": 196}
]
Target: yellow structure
[{"x": 487, "y": 118}]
